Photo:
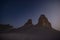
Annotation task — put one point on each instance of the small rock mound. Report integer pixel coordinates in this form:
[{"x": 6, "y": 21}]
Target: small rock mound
[{"x": 29, "y": 22}]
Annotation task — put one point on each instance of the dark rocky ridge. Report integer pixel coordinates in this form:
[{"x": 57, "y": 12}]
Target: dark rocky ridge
[{"x": 42, "y": 25}]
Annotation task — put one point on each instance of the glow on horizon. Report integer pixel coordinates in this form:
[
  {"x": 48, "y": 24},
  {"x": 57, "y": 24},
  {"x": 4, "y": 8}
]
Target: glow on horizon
[
  {"x": 17, "y": 13},
  {"x": 53, "y": 14}
]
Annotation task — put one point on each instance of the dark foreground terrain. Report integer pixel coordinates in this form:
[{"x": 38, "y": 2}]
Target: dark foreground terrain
[{"x": 42, "y": 35}]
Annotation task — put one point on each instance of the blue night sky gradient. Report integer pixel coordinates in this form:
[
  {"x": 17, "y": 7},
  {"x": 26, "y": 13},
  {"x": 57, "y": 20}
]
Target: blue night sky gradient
[{"x": 17, "y": 12}]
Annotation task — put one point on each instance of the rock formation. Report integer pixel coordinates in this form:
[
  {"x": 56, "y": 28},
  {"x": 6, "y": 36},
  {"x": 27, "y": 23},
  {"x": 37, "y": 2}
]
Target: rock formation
[
  {"x": 26, "y": 26},
  {"x": 43, "y": 22},
  {"x": 42, "y": 25},
  {"x": 28, "y": 23}
]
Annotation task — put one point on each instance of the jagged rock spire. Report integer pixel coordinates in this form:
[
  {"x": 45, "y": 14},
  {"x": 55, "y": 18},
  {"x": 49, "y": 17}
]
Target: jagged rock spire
[
  {"x": 43, "y": 21},
  {"x": 28, "y": 23}
]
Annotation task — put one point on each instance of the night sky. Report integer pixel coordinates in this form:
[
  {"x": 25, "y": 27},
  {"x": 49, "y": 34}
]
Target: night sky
[{"x": 17, "y": 12}]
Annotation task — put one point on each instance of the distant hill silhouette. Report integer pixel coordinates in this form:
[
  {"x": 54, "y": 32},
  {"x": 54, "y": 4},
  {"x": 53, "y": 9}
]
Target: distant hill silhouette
[{"x": 5, "y": 28}]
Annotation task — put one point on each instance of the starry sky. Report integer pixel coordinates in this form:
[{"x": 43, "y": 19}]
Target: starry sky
[{"x": 17, "y": 12}]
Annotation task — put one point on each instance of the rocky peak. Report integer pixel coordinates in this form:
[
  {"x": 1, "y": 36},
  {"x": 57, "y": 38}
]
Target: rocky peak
[
  {"x": 43, "y": 22},
  {"x": 29, "y": 22},
  {"x": 26, "y": 26}
]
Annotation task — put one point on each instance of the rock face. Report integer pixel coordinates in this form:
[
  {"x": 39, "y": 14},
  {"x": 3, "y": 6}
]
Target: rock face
[
  {"x": 43, "y": 22},
  {"x": 26, "y": 26},
  {"x": 28, "y": 23}
]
